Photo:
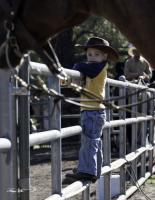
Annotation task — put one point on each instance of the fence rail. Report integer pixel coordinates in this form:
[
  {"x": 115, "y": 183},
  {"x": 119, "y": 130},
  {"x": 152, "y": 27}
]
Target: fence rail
[
  {"x": 5, "y": 145},
  {"x": 24, "y": 139}
]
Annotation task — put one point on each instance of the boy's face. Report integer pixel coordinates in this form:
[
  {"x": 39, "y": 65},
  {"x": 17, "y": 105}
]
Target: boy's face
[{"x": 96, "y": 55}]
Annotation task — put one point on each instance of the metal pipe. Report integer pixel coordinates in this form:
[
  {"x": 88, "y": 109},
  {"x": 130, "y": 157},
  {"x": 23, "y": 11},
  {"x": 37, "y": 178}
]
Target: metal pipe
[
  {"x": 151, "y": 137},
  {"x": 107, "y": 150},
  {"x": 134, "y": 136},
  {"x": 71, "y": 190},
  {"x": 8, "y": 161},
  {"x": 56, "y": 151},
  {"x": 24, "y": 132},
  {"x": 128, "y": 158},
  {"x": 51, "y": 135},
  {"x": 106, "y": 161},
  {"x": 5, "y": 145},
  {"x": 122, "y": 141},
  {"x": 121, "y": 122},
  {"x": 133, "y": 189},
  {"x": 42, "y": 69},
  {"x": 86, "y": 193},
  {"x": 39, "y": 138},
  {"x": 143, "y": 127}
]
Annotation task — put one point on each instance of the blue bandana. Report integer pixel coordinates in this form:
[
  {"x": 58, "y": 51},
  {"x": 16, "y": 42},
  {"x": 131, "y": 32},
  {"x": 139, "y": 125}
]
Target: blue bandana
[{"x": 90, "y": 69}]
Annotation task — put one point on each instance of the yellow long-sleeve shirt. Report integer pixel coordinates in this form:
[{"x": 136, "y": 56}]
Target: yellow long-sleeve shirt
[{"x": 97, "y": 86}]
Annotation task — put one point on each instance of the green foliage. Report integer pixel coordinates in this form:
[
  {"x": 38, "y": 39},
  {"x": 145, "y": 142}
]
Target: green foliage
[
  {"x": 98, "y": 26},
  {"x": 151, "y": 180}
]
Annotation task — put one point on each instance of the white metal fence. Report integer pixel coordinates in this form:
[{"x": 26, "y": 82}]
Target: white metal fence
[{"x": 15, "y": 138}]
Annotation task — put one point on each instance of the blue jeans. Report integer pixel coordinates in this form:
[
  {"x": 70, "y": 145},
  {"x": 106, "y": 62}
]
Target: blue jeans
[{"x": 90, "y": 154}]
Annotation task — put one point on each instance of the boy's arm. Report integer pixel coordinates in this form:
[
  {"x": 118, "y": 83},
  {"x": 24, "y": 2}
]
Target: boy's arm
[
  {"x": 148, "y": 71},
  {"x": 89, "y": 69}
]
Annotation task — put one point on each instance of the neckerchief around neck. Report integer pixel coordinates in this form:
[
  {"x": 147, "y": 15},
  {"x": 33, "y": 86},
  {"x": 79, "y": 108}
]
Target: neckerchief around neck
[{"x": 90, "y": 69}]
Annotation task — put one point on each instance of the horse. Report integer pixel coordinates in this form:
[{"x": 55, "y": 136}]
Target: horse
[{"x": 33, "y": 22}]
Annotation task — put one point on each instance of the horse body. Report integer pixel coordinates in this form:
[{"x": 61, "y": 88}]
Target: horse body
[
  {"x": 44, "y": 19},
  {"x": 135, "y": 19}
]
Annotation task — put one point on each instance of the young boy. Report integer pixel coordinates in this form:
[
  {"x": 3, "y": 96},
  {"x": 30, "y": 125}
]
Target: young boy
[{"x": 93, "y": 116}]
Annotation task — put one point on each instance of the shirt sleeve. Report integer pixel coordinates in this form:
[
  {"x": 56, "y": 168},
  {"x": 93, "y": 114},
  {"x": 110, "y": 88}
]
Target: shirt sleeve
[
  {"x": 148, "y": 70},
  {"x": 89, "y": 69}
]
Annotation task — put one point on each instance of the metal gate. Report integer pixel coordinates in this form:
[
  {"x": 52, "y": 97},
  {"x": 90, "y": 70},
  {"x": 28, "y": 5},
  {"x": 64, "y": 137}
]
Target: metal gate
[{"x": 15, "y": 137}]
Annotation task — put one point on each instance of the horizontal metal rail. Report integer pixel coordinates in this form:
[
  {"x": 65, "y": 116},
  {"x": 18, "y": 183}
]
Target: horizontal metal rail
[
  {"x": 42, "y": 69},
  {"x": 78, "y": 186},
  {"x": 47, "y": 136},
  {"x": 133, "y": 189},
  {"x": 5, "y": 145},
  {"x": 121, "y": 122},
  {"x": 70, "y": 191},
  {"x": 128, "y": 158}
]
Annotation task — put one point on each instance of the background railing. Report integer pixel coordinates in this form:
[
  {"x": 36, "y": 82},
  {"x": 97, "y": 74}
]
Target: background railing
[{"x": 15, "y": 142}]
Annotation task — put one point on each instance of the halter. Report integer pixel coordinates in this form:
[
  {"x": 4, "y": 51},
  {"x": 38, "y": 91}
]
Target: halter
[{"x": 11, "y": 21}]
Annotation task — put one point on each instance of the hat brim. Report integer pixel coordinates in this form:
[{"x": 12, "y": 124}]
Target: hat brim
[
  {"x": 131, "y": 51},
  {"x": 112, "y": 53}
]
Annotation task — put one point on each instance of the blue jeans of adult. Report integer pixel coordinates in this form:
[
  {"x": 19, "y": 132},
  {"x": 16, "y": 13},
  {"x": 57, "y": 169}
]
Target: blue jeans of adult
[{"x": 90, "y": 154}]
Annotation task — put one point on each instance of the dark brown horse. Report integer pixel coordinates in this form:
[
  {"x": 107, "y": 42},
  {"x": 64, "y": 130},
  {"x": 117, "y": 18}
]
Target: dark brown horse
[{"x": 43, "y": 19}]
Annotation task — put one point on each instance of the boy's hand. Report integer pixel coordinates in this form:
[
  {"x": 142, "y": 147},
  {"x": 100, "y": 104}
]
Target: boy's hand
[{"x": 65, "y": 82}]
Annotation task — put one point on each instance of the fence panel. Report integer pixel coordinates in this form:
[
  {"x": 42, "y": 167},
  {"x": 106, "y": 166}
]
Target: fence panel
[{"x": 8, "y": 135}]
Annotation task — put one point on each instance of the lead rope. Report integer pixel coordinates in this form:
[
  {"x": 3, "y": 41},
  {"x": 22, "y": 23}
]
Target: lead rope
[{"x": 58, "y": 96}]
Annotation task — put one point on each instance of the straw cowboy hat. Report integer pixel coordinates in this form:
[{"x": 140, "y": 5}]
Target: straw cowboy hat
[
  {"x": 101, "y": 44},
  {"x": 132, "y": 51}
]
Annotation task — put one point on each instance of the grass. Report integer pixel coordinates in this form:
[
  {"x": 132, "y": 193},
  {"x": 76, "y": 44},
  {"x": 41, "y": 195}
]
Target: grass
[{"x": 151, "y": 180}]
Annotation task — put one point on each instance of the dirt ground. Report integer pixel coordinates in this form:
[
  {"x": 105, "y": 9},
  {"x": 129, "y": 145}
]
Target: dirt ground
[{"x": 40, "y": 178}]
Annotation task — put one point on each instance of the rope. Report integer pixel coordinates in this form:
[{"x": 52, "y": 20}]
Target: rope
[
  {"x": 134, "y": 179},
  {"x": 92, "y": 97},
  {"x": 64, "y": 76}
]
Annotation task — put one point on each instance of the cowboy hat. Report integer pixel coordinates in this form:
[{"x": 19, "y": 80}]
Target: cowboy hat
[
  {"x": 101, "y": 44},
  {"x": 132, "y": 51}
]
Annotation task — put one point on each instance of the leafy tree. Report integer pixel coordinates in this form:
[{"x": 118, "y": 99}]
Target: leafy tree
[
  {"x": 100, "y": 27},
  {"x": 65, "y": 41}
]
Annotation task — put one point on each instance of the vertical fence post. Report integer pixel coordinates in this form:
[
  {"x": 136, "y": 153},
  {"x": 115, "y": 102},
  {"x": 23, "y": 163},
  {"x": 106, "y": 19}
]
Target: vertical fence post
[
  {"x": 143, "y": 135},
  {"x": 56, "y": 145},
  {"x": 108, "y": 111},
  {"x": 8, "y": 161},
  {"x": 122, "y": 141},
  {"x": 24, "y": 132},
  {"x": 107, "y": 152},
  {"x": 134, "y": 137},
  {"x": 151, "y": 132},
  {"x": 49, "y": 104},
  {"x": 86, "y": 194},
  {"x": 107, "y": 158}
]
